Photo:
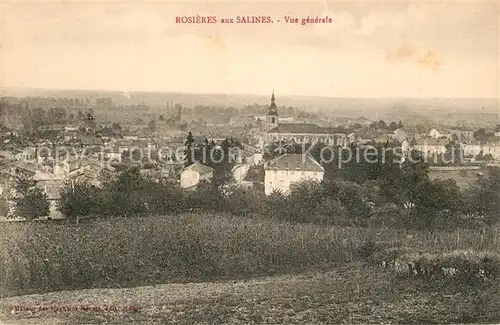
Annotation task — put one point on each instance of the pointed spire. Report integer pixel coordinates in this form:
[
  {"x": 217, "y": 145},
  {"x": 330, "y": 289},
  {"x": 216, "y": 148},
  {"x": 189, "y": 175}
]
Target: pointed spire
[{"x": 273, "y": 110}]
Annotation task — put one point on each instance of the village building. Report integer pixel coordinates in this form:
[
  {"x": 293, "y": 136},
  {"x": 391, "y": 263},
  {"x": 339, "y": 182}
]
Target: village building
[
  {"x": 51, "y": 180},
  {"x": 438, "y": 134},
  {"x": 90, "y": 141},
  {"x": 192, "y": 175},
  {"x": 493, "y": 149},
  {"x": 431, "y": 146},
  {"x": 283, "y": 171},
  {"x": 471, "y": 148},
  {"x": 463, "y": 133}
]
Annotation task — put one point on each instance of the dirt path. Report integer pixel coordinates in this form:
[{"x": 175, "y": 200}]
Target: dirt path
[{"x": 351, "y": 295}]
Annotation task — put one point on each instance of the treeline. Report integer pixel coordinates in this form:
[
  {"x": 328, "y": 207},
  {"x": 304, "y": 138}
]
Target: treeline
[
  {"x": 407, "y": 198},
  {"x": 359, "y": 193}
]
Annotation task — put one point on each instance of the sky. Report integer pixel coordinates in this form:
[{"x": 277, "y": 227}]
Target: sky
[{"x": 371, "y": 49}]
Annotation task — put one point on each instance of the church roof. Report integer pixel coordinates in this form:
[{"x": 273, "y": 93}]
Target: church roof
[{"x": 304, "y": 128}]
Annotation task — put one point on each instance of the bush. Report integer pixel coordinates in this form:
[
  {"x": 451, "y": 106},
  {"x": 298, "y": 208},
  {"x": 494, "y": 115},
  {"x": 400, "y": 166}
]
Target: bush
[{"x": 464, "y": 267}]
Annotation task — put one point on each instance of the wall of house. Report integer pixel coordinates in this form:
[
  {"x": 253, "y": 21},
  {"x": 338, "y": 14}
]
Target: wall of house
[
  {"x": 189, "y": 178},
  {"x": 434, "y": 134},
  {"x": 282, "y": 179},
  {"x": 473, "y": 150},
  {"x": 329, "y": 139},
  {"x": 432, "y": 149},
  {"x": 492, "y": 150}
]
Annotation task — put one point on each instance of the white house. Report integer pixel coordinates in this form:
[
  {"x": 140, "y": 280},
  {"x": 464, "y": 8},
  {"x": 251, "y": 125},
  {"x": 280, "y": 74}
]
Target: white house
[
  {"x": 283, "y": 171},
  {"x": 400, "y": 135},
  {"x": 471, "y": 148},
  {"x": 492, "y": 149},
  {"x": 432, "y": 145},
  {"x": 434, "y": 133},
  {"x": 27, "y": 154},
  {"x": 194, "y": 174}
]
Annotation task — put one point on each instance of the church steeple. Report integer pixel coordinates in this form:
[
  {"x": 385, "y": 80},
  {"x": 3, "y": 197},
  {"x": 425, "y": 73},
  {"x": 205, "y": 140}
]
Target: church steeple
[{"x": 273, "y": 110}]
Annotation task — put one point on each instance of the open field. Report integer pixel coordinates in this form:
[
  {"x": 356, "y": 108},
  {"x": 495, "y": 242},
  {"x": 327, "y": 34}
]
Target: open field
[
  {"x": 353, "y": 294},
  {"x": 224, "y": 269},
  {"x": 464, "y": 178}
]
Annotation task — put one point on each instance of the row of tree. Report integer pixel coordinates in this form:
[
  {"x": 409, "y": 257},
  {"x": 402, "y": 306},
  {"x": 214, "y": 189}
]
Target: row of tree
[
  {"x": 404, "y": 196},
  {"x": 383, "y": 125}
]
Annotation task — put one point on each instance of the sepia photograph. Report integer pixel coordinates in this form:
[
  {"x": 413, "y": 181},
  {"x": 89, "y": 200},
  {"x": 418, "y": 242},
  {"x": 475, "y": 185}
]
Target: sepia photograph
[{"x": 249, "y": 162}]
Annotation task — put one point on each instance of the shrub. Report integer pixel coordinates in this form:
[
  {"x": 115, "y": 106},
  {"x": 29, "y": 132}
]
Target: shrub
[{"x": 462, "y": 266}]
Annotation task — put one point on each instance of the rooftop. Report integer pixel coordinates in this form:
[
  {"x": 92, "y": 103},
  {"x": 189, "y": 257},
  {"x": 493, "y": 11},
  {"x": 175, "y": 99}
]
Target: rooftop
[
  {"x": 200, "y": 168},
  {"x": 432, "y": 141},
  {"x": 304, "y": 128},
  {"x": 294, "y": 162}
]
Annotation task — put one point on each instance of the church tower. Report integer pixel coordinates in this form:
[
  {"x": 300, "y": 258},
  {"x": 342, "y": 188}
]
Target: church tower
[{"x": 272, "y": 116}]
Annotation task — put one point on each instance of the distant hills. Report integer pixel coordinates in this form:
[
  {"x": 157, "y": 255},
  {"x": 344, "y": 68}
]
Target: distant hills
[{"x": 373, "y": 108}]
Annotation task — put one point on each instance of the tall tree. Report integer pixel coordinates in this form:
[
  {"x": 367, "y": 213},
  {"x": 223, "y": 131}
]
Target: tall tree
[
  {"x": 79, "y": 199},
  {"x": 152, "y": 125},
  {"x": 30, "y": 201},
  {"x": 485, "y": 194},
  {"x": 381, "y": 125},
  {"x": 126, "y": 195},
  {"x": 189, "y": 151}
]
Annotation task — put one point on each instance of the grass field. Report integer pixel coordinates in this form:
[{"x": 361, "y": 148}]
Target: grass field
[
  {"x": 226, "y": 269},
  {"x": 463, "y": 179}
]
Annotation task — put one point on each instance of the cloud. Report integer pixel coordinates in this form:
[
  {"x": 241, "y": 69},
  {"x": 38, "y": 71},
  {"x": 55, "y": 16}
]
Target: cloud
[
  {"x": 430, "y": 60},
  {"x": 411, "y": 54},
  {"x": 403, "y": 53}
]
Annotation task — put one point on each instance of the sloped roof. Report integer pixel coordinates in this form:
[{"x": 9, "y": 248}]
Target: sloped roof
[
  {"x": 306, "y": 128},
  {"x": 382, "y": 138},
  {"x": 366, "y": 133},
  {"x": 90, "y": 140},
  {"x": 495, "y": 143},
  {"x": 461, "y": 128},
  {"x": 294, "y": 162},
  {"x": 472, "y": 142},
  {"x": 200, "y": 168},
  {"x": 432, "y": 141}
]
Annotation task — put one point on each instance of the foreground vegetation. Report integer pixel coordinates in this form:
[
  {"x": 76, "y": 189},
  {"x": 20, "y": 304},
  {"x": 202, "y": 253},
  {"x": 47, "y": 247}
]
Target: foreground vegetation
[{"x": 118, "y": 252}]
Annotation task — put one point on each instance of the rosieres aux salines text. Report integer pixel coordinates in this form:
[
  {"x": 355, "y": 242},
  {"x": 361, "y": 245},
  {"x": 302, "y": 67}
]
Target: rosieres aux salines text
[{"x": 199, "y": 19}]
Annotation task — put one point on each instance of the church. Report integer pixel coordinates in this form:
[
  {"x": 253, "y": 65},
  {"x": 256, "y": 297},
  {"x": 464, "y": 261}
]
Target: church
[{"x": 300, "y": 132}]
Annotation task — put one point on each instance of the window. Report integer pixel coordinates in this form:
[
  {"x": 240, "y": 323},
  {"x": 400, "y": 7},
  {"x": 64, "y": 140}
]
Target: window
[
  {"x": 303, "y": 173},
  {"x": 315, "y": 174},
  {"x": 291, "y": 173}
]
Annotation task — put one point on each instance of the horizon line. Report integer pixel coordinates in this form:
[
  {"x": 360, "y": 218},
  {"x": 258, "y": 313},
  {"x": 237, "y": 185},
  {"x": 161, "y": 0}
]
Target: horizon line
[{"x": 235, "y": 94}]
